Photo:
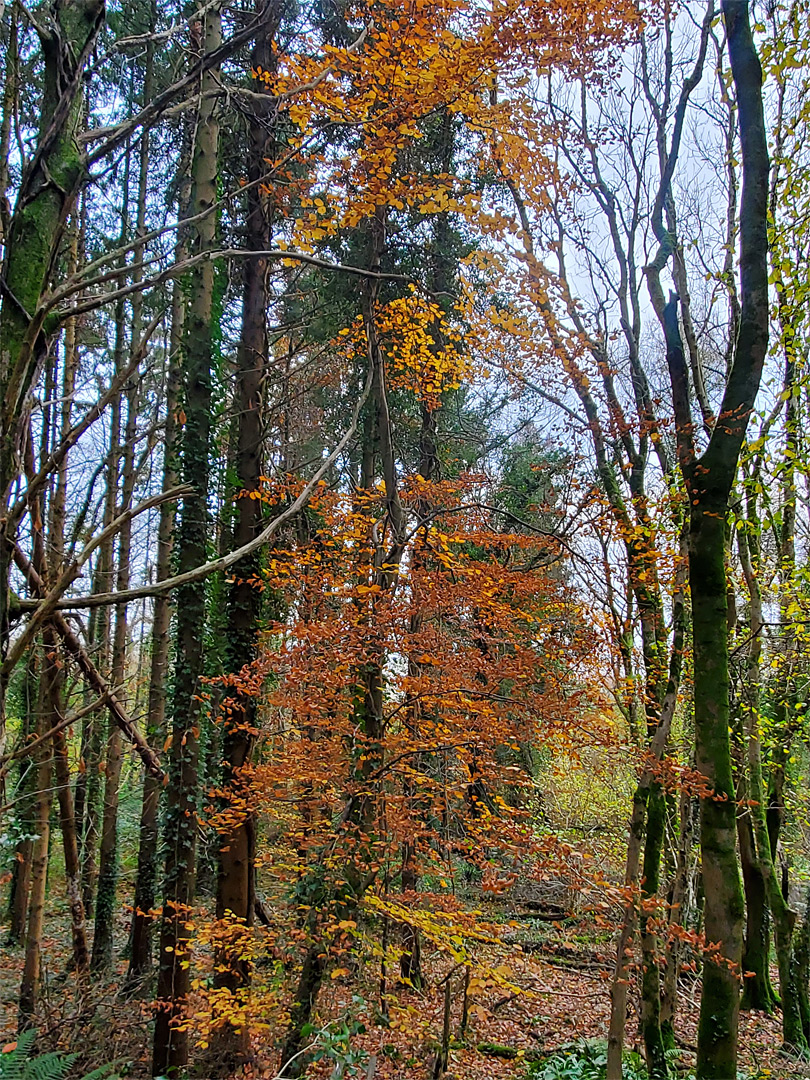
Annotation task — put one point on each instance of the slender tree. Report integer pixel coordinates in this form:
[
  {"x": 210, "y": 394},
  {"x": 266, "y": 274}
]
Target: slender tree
[{"x": 709, "y": 478}]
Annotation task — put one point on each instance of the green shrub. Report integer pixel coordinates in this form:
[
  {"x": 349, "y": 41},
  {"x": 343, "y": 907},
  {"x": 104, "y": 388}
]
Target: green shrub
[
  {"x": 585, "y": 1061},
  {"x": 16, "y": 1063}
]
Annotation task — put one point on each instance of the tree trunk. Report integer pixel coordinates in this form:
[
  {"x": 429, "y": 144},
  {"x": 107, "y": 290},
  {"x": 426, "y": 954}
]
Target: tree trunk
[
  {"x": 56, "y": 706},
  {"x": 757, "y": 989},
  {"x": 104, "y": 756},
  {"x": 650, "y": 975},
  {"x": 441, "y": 284},
  {"x": 709, "y": 484},
  {"x": 237, "y": 845},
  {"x": 762, "y": 857},
  {"x": 108, "y": 853},
  {"x": 140, "y": 953},
  {"x": 46, "y": 197},
  {"x": 358, "y": 818},
  {"x": 88, "y": 782},
  {"x": 140, "y": 958},
  {"x": 709, "y": 480},
  {"x": 30, "y": 984},
  {"x": 67, "y": 819},
  {"x": 680, "y": 914},
  {"x": 170, "y": 1052},
  {"x": 21, "y": 871},
  {"x": 648, "y": 800},
  {"x": 723, "y": 906}
]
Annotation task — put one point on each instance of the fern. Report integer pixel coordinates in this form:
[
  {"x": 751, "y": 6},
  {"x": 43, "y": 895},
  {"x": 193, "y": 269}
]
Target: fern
[{"x": 16, "y": 1063}]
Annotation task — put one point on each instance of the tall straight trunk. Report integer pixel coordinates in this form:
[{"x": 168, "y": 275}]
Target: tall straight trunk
[
  {"x": 443, "y": 271},
  {"x": 108, "y": 861},
  {"x": 645, "y": 844},
  {"x": 358, "y": 818},
  {"x": 410, "y": 964},
  {"x": 104, "y": 756},
  {"x": 41, "y": 820},
  {"x": 344, "y": 897},
  {"x": 756, "y": 960},
  {"x": 140, "y": 954},
  {"x": 21, "y": 871},
  {"x": 67, "y": 820},
  {"x": 88, "y": 783},
  {"x": 237, "y": 847},
  {"x": 651, "y": 972},
  {"x": 140, "y": 959},
  {"x": 783, "y": 918},
  {"x": 709, "y": 484},
  {"x": 802, "y": 961},
  {"x": 56, "y": 702},
  {"x": 43, "y": 757},
  {"x": 723, "y": 905},
  {"x": 680, "y": 914},
  {"x": 170, "y": 1050},
  {"x": 105, "y": 905},
  {"x": 709, "y": 481}
]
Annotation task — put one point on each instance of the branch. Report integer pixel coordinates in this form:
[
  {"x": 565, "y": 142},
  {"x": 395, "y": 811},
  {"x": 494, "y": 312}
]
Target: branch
[
  {"x": 121, "y": 132},
  {"x": 94, "y": 677},
  {"x": 178, "y": 268},
  {"x": 118, "y": 133},
  {"x": 57, "y": 456},
  {"x": 226, "y": 561},
  {"x": 722, "y": 453},
  {"x": 50, "y": 601},
  {"x": 67, "y": 721}
]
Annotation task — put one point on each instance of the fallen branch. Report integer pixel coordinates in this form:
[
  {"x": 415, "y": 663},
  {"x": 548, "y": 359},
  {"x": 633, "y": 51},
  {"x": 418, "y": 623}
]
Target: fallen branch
[
  {"x": 490, "y": 1049},
  {"x": 66, "y": 722},
  {"x": 94, "y": 677}
]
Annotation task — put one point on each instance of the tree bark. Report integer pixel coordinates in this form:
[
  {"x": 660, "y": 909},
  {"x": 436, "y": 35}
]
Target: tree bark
[
  {"x": 105, "y": 904},
  {"x": 709, "y": 480},
  {"x": 709, "y": 483},
  {"x": 32, "y": 970},
  {"x": 784, "y": 919},
  {"x": 21, "y": 871},
  {"x": 146, "y": 881},
  {"x": 46, "y": 197},
  {"x": 235, "y": 897},
  {"x": 140, "y": 955},
  {"x": 357, "y": 820},
  {"x": 170, "y": 1050}
]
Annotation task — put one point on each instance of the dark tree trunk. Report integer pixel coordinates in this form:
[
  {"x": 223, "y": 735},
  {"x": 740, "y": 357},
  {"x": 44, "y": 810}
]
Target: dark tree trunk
[
  {"x": 709, "y": 481},
  {"x": 237, "y": 846},
  {"x": 140, "y": 955},
  {"x": 170, "y": 1053}
]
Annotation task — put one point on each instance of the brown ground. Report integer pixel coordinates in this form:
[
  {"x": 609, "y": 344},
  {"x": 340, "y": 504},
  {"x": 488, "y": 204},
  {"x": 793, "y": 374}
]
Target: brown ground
[{"x": 529, "y": 1001}]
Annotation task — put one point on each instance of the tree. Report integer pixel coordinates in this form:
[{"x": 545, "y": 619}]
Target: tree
[
  {"x": 170, "y": 1052},
  {"x": 709, "y": 478}
]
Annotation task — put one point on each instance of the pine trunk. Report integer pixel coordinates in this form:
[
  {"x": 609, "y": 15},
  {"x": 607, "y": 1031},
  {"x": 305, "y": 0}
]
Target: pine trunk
[
  {"x": 237, "y": 846},
  {"x": 170, "y": 1051},
  {"x": 105, "y": 904}
]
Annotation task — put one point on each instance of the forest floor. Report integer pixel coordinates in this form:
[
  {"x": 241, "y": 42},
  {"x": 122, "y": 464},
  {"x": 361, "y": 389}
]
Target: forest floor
[{"x": 542, "y": 986}]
